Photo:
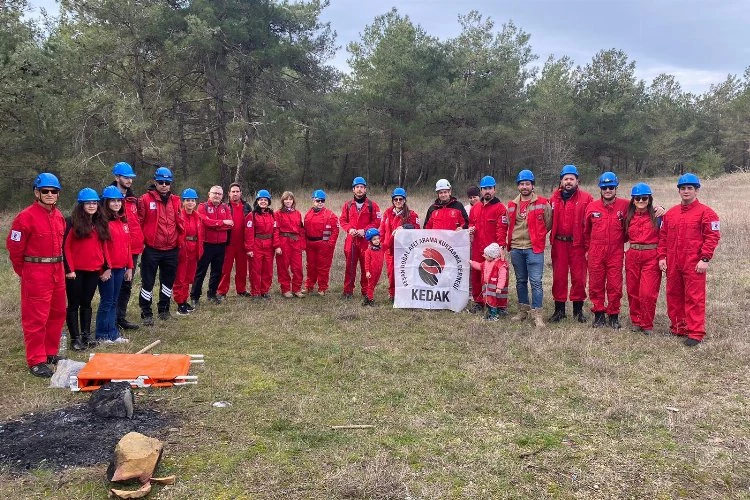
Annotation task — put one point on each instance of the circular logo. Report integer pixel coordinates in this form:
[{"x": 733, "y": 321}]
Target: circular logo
[{"x": 431, "y": 267}]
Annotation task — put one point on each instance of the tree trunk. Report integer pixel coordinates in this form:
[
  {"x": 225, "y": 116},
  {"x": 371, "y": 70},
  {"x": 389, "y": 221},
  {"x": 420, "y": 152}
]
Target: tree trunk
[
  {"x": 182, "y": 158},
  {"x": 307, "y": 161}
]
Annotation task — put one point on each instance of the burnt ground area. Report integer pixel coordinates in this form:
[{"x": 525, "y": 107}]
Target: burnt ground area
[{"x": 71, "y": 437}]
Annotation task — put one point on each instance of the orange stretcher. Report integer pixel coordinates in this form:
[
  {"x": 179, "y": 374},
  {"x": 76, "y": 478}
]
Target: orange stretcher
[{"x": 140, "y": 370}]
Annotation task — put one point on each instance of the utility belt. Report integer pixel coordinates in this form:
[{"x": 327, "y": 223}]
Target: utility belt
[
  {"x": 291, "y": 236},
  {"x": 563, "y": 238},
  {"x": 191, "y": 238},
  {"x": 43, "y": 260},
  {"x": 263, "y": 236},
  {"x": 638, "y": 246}
]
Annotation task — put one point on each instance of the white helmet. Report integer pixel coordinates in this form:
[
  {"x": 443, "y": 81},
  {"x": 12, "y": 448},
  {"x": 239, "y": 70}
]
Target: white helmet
[{"x": 442, "y": 184}]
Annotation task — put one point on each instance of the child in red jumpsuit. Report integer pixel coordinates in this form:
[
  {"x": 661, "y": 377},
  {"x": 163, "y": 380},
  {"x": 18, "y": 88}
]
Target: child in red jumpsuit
[
  {"x": 494, "y": 272},
  {"x": 191, "y": 249},
  {"x": 374, "y": 256},
  {"x": 261, "y": 241},
  {"x": 292, "y": 243}
]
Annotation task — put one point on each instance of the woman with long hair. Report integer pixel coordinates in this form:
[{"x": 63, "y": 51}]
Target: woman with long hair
[
  {"x": 396, "y": 216},
  {"x": 261, "y": 241},
  {"x": 642, "y": 273},
  {"x": 292, "y": 243},
  {"x": 83, "y": 257},
  {"x": 191, "y": 249}
]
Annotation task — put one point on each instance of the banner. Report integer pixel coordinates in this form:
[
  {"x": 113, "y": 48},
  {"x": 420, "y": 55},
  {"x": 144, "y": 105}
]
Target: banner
[{"x": 432, "y": 269}]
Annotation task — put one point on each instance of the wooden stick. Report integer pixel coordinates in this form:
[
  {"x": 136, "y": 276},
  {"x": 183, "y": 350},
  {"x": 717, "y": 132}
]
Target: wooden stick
[
  {"x": 149, "y": 347},
  {"x": 352, "y": 426}
]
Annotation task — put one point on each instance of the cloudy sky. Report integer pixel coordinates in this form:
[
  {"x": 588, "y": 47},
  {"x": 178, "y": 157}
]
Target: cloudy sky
[{"x": 698, "y": 41}]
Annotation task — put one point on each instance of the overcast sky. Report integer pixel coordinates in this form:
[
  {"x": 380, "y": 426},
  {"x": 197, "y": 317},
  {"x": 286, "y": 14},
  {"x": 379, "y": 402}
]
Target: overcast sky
[{"x": 698, "y": 41}]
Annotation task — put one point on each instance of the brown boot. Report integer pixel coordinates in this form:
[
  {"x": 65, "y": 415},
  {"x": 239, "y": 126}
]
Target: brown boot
[
  {"x": 523, "y": 313},
  {"x": 538, "y": 320}
]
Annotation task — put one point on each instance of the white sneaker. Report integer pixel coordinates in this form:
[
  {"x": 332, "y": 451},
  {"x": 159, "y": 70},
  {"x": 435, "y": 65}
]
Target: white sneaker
[{"x": 120, "y": 340}]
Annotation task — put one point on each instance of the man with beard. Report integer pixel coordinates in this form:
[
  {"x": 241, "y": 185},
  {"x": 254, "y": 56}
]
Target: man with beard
[
  {"x": 446, "y": 212},
  {"x": 235, "y": 252},
  {"x": 124, "y": 176},
  {"x": 488, "y": 223},
  {"x": 357, "y": 216}
]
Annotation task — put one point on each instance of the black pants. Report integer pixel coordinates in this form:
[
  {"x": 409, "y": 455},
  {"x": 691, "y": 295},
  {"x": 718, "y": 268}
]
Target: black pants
[
  {"x": 213, "y": 255},
  {"x": 166, "y": 263},
  {"x": 125, "y": 290},
  {"x": 80, "y": 292}
]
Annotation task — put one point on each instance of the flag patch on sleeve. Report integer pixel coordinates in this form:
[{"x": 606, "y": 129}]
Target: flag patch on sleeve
[
  {"x": 15, "y": 235},
  {"x": 714, "y": 225}
]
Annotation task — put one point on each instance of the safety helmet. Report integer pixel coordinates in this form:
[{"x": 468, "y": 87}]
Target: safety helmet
[
  {"x": 569, "y": 169},
  {"x": 689, "y": 180},
  {"x": 46, "y": 180},
  {"x": 487, "y": 182},
  {"x": 371, "y": 233},
  {"x": 123, "y": 169},
  {"x": 163, "y": 174},
  {"x": 319, "y": 194},
  {"x": 608, "y": 179},
  {"x": 399, "y": 191},
  {"x": 189, "y": 194},
  {"x": 87, "y": 194},
  {"x": 263, "y": 193},
  {"x": 641, "y": 189},
  {"x": 359, "y": 180},
  {"x": 112, "y": 193},
  {"x": 442, "y": 184},
  {"x": 525, "y": 175}
]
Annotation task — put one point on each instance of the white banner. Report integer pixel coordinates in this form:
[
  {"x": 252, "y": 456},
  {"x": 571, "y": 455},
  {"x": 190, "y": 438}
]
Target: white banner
[{"x": 432, "y": 269}]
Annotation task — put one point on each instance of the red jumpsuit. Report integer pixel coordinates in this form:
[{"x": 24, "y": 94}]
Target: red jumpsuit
[
  {"x": 235, "y": 251},
  {"x": 38, "y": 232},
  {"x": 450, "y": 216},
  {"x": 261, "y": 238},
  {"x": 292, "y": 242},
  {"x": 688, "y": 234},
  {"x": 568, "y": 252},
  {"x": 354, "y": 247},
  {"x": 374, "y": 265},
  {"x": 604, "y": 240},
  {"x": 642, "y": 273},
  {"x": 390, "y": 222},
  {"x": 490, "y": 223},
  {"x": 321, "y": 233},
  {"x": 191, "y": 249},
  {"x": 493, "y": 274}
]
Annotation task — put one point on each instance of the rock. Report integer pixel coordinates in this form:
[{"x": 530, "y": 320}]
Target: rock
[
  {"x": 136, "y": 457},
  {"x": 113, "y": 400}
]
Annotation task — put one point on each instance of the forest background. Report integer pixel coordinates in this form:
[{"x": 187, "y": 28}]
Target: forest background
[{"x": 232, "y": 90}]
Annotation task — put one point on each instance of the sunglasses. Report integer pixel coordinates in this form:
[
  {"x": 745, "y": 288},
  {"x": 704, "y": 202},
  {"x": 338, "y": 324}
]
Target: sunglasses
[
  {"x": 640, "y": 198},
  {"x": 319, "y": 201},
  {"x": 609, "y": 188},
  {"x": 49, "y": 191},
  {"x": 398, "y": 198},
  {"x": 163, "y": 183}
]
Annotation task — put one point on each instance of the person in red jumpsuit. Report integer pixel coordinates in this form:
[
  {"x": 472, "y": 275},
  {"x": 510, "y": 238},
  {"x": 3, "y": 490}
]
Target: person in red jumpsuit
[
  {"x": 292, "y": 242},
  {"x": 191, "y": 249},
  {"x": 689, "y": 236},
  {"x": 604, "y": 241},
  {"x": 34, "y": 246},
  {"x": 235, "y": 255},
  {"x": 217, "y": 224},
  {"x": 569, "y": 204},
  {"x": 494, "y": 272},
  {"x": 488, "y": 223},
  {"x": 374, "y": 256},
  {"x": 261, "y": 241},
  {"x": 321, "y": 233},
  {"x": 446, "y": 212},
  {"x": 395, "y": 217},
  {"x": 357, "y": 216},
  {"x": 642, "y": 273}
]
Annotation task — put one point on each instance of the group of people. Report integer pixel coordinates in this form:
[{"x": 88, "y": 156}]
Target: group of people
[{"x": 62, "y": 262}]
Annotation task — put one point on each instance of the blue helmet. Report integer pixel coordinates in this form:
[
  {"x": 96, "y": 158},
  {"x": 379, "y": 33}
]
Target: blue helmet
[
  {"x": 641, "y": 189},
  {"x": 359, "y": 180},
  {"x": 689, "y": 180},
  {"x": 608, "y": 179},
  {"x": 189, "y": 194},
  {"x": 123, "y": 169},
  {"x": 88, "y": 194},
  {"x": 112, "y": 193},
  {"x": 163, "y": 174},
  {"x": 263, "y": 193},
  {"x": 525, "y": 175},
  {"x": 569, "y": 170},
  {"x": 371, "y": 233},
  {"x": 319, "y": 194},
  {"x": 46, "y": 180},
  {"x": 399, "y": 191},
  {"x": 487, "y": 182}
]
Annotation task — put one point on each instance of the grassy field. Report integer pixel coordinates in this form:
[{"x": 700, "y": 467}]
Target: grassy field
[{"x": 461, "y": 408}]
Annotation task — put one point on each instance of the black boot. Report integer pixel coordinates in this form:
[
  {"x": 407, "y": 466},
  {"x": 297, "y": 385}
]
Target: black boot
[
  {"x": 86, "y": 338},
  {"x": 614, "y": 321},
  {"x": 71, "y": 318},
  {"x": 559, "y": 312},
  {"x": 578, "y": 311},
  {"x": 600, "y": 320}
]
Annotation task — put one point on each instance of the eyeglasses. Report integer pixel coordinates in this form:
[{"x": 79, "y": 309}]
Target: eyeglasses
[
  {"x": 91, "y": 203},
  {"x": 49, "y": 191},
  {"x": 319, "y": 201},
  {"x": 609, "y": 188},
  {"x": 163, "y": 183},
  {"x": 398, "y": 198},
  {"x": 640, "y": 198}
]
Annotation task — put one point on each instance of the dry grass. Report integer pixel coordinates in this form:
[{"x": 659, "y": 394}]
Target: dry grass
[{"x": 461, "y": 408}]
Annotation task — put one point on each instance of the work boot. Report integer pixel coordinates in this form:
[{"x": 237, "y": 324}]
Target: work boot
[
  {"x": 578, "y": 311},
  {"x": 346, "y": 296},
  {"x": 54, "y": 359},
  {"x": 127, "y": 325},
  {"x": 71, "y": 319},
  {"x": 636, "y": 328},
  {"x": 600, "y": 320},
  {"x": 164, "y": 315},
  {"x": 614, "y": 321},
  {"x": 537, "y": 315},
  {"x": 692, "y": 342},
  {"x": 41, "y": 370},
  {"x": 522, "y": 314},
  {"x": 148, "y": 320},
  {"x": 476, "y": 307},
  {"x": 559, "y": 312},
  {"x": 86, "y": 338}
]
